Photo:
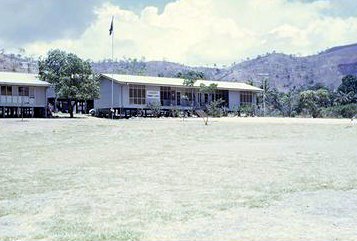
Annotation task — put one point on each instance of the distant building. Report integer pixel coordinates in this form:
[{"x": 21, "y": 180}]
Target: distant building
[
  {"x": 132, "y": 93},
  {"x": 22, "y": 95},
  {"x": 62, "y": 105}
]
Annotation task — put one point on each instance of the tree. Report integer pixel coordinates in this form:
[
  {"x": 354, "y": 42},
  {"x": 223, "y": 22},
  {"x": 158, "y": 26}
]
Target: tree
[
  {"x": 342, "y": 98},
  {"x": 323, "y": 98},
  {"x": 215, "y": 108},
  {"x": 191, "y": 75},
  {"x": 349, "y": 84},
  {"x": 190, "y": 82},
  {"x": 209, "y": 89},
  {"x": 71, "y": 77},
  {"x": 289, "y": 103},
  {"x": 155, "y": 108},
  {"x": 308, "y": 101}
]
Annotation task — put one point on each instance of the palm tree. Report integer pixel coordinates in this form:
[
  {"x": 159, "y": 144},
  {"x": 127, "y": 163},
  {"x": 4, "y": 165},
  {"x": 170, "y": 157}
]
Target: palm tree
[{"x": 344, "y": 98}]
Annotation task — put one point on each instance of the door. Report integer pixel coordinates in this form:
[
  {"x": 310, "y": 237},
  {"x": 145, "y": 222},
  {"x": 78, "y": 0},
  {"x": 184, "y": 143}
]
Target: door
[{"x": 178, "y": 97}]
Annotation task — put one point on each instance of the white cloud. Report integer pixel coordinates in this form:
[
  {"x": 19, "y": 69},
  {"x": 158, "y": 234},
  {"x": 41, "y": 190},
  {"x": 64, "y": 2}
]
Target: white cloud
[{"x": 208, "y": 31}]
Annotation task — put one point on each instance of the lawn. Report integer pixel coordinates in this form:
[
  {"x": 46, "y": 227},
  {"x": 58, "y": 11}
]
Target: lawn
[{"x": 168, "y": 179}]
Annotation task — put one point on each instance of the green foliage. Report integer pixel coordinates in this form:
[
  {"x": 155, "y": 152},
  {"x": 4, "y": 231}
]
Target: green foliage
[
  {"x": 289, "y": 103},
  {"x": 189, "y": 82},
  {"x": 250, "y": 82},
  {"x": 155, "y": 108},
  {"x": 343, "y": 98},
  {"x": 349, "y": 86},
  {"x": 323, "y": 97},
  {"x": 246, "y": 110},
  {"x": 317, "y": 86},
  {"x": 214, "y": 108},
  {"x": 313, "y": 101},
  {"x": 71, "y": 77},
  {"x": 208, "y": 89},
  {"x": 309, "y": 102},
  {"x": 344, "y": 111},
  {"x": 191, "y": 75},
  {"x": 316, "y": 101},
  {"x": 131, "y": 66},
  {"x": 236, "y": 110},
  {"x": 265, "y": 86},
  {"x": 174, "y": 112}
]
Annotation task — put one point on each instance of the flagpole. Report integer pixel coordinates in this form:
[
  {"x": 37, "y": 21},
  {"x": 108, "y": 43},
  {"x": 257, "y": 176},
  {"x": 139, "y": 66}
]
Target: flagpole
[{"x": 112, "y": 109}]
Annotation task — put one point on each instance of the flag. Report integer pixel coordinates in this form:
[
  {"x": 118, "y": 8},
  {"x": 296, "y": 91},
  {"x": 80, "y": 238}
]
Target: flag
[{"x": 111, "y": 29}]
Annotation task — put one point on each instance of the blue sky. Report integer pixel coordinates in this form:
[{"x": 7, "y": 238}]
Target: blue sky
[
  {"x": 139, "y": 5},
  {"x": 198, "y": 32}
]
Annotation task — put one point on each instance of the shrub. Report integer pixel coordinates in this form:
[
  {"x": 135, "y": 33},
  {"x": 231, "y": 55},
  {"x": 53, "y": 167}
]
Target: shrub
[
  {"x": 174, "y": 112},
  {"x": 215, "y": 108},
  {"x": 236, "y": 110},
  {"x": 345, "y": 111},
  {"x": 155, "y": 108},
  {"x": 247, "y": 110}
]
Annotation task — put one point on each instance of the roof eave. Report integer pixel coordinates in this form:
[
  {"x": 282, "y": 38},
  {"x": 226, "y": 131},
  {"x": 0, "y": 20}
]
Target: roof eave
[
  {"x": 179, "y": 86},
  {"x": 25, "y": 84}
]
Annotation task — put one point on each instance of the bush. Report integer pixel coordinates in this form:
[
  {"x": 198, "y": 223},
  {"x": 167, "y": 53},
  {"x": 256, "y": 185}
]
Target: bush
[
  {"x": 215, "y": 108},
  {"x": 344, "y": 111},
  {"x": 247, "y": 110},
  {"x": 235, "y": 110},
  {"x": 174, "y": 112},
  {"x": 155, "y": 108}
]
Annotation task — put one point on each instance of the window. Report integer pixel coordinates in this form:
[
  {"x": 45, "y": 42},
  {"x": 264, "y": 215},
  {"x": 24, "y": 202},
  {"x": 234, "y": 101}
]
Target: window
[
  {"x": 3, "y": 90},
  {"x": 167, "y": 96},
  {"x": 246, "y": 98},
  {"x": 185, "y": 97},
  {"x": 24, "y": 91},
  {"x": 224, "y": 95},
  {"x": 6, "y": 90},
  {"x": 9, "y": 90},
  {"x": 187, "y": 93},
  {"x": 137, "y": 95},
  {"x": 178, "y": 95}
]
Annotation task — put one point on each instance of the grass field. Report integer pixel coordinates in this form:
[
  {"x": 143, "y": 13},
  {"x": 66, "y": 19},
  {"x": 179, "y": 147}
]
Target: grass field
[{"x": 164, "y": 179}]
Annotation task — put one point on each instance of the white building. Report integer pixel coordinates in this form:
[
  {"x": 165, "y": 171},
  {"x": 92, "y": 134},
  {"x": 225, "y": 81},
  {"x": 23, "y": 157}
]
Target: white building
[
  {"x": 136, "y": 92},
  {"x": 22, "y": 94},
  {"x": 26, "y": 95}
]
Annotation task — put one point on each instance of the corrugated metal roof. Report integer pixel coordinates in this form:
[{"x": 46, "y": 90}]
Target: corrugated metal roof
[
  {"x": 176, "y": 82},
  {"x": 12, "y": 78}
]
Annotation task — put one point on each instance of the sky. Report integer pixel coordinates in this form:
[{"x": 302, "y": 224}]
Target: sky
[{"x": 193, "y": 32}]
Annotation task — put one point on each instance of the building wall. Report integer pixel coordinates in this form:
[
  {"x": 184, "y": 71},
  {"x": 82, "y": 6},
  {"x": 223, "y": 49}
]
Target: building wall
[
  {"x": 15, "y": 100},
  {"x": 148, "y": 88},
  {"x": 40, "y": 96},
  {"x": 121, "y": 95},
  {"x": 234, "y": 99},
  {"x": 105, "y": 95}
]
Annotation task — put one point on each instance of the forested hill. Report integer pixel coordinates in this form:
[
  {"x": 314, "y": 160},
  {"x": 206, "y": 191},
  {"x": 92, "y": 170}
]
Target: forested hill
[
  {"x": 17, "y": 63},
  {"x": 286, "y": 71},
  {"x": 283, "y": 71}
]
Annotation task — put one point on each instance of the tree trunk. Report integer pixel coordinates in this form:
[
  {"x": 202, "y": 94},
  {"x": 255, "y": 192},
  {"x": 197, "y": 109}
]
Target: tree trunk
[{"x": 71, "y": 107}]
